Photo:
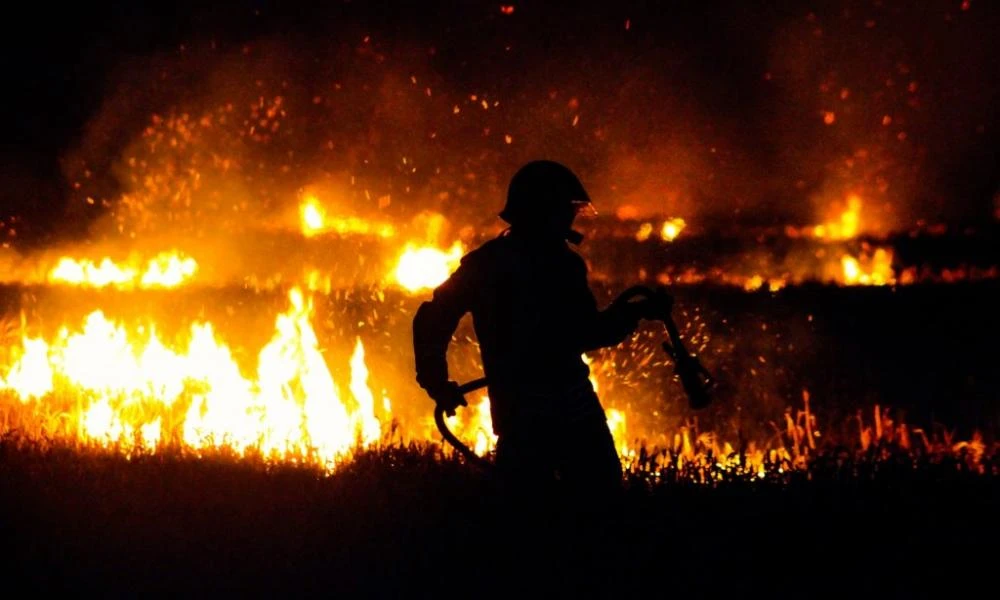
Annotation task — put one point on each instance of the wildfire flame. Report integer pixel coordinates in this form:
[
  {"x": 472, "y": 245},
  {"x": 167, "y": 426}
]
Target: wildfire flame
[
  {"x": 314, "y": 219},
  {"x": 869, "y": 270},
  {"x": 165, "y": 270},
  {"x": 475, "y": 425},
  {"x": 845, "y": 225},
  {"x": 127, "y": 386},
  {"x": 757, "y": 281},
  {"x": 671, "y": 229},
  {"x": 312, "y": 215},
  {"x": 424, "y": 267},
  {"x": 135, "y": 389}
]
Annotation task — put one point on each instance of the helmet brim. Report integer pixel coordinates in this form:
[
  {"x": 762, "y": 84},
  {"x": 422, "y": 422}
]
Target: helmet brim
[{"x": 585, "y": 208}]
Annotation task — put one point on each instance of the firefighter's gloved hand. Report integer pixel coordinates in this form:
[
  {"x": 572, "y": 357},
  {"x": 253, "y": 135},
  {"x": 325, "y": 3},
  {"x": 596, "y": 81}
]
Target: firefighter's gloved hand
[
  {"x": 655, "y": 307},
  {"x": 447, "y": 396},
  {"x": 662, "y": 302}
]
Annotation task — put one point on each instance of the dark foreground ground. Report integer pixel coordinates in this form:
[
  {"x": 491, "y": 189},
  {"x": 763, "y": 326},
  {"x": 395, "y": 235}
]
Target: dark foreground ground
[{"x": 404, "y": 523}]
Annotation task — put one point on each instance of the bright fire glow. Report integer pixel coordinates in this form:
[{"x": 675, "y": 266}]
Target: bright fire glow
[
  {"x": 875, "y": 269},
  {"x": 312, "y": 216},
  {"x": 475, "y": 425},
  {"x": 846, "y": 225},
  {"x": 168, "y": 270},
  {"x": 672, "y": 228},
  {"x": 131, "y": 387},
  {"x": 757, "y": 281},
  {"x": 314, "y": 219},
  {"x": 165, "y": 270},
  {"x": 124, "y": 387},
  {"x": 422, "y": 268},
  {"x": 616, "y": 423}
]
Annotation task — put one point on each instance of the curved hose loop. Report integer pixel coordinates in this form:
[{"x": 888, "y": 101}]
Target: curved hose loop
[
  {"x": 457, "y": 444},
  {"x": 695, "y": 378}
]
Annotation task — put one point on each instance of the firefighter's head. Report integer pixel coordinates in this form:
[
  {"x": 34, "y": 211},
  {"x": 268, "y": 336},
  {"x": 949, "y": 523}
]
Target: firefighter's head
[{"x": 543, "y": 198}]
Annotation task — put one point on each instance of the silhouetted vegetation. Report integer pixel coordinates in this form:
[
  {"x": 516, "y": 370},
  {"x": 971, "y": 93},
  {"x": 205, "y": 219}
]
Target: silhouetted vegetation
[{"x": 412, "y": 521}]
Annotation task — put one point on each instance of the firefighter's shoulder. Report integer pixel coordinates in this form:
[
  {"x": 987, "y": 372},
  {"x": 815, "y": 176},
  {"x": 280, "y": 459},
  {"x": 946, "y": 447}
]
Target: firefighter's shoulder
[
  {"x": 491, "y": 253},
  {"x": 575, "y": 260}
]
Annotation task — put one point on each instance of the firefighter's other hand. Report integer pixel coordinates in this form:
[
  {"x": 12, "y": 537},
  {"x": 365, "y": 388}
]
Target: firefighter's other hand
[
  {"x": 447, "y": 397},
  {"x": 657, "y": 306},
  {"x": 664, "y": 301}
]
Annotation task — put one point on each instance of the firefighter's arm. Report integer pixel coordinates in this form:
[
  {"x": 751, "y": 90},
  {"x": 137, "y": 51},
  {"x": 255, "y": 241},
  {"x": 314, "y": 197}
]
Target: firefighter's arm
[
  {"x": 610, "y": 327},
  {"x": 433, "y": 326}
]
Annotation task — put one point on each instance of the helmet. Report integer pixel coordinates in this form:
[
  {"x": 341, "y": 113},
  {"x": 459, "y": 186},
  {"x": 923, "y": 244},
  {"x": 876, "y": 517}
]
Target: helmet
[{"x": 541, "y": 189}]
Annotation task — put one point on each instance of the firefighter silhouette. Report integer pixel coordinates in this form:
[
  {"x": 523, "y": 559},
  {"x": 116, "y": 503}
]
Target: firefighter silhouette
[{"x": 534, "y": 316}]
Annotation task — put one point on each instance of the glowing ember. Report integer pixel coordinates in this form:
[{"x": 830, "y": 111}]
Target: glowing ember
[
  {"x": 165, "y": 270},
  {"x": 671, "y": 229},
  {"x": 422, "y": 268}
]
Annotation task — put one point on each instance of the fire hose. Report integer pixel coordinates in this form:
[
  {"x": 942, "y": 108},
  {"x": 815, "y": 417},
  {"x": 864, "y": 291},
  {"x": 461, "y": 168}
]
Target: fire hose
[
  {"x": 695, "y": 379},
  {"x": 457, "y": 444}
]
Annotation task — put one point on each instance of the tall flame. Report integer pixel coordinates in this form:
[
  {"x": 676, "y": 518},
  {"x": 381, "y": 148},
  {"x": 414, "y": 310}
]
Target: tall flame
[{"x": 136, "y": 389}]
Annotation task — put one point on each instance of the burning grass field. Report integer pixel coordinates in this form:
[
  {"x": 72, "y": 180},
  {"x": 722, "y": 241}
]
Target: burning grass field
[
  {"x": 405, "y": 521},
  {"x": 241, "y": 416},
  {"x": 845, "y": 452},
  {"x": 217, "y": 223}
]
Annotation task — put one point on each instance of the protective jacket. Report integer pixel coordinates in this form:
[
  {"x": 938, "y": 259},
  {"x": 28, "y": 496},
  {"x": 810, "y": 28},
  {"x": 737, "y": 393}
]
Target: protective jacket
[{"x": 534, "y": 315}]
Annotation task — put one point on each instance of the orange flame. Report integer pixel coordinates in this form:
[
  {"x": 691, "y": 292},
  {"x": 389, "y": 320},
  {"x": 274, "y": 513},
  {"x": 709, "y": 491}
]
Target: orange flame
[
  {"x": 165, "y": 270},
  {"x": 314, "y": 219},
  {"x": 422, "y": 268},
  {"x": 875, "y": 269},
  {"x": 672, "y": 228},
  {"x": 138, "y": 390}
]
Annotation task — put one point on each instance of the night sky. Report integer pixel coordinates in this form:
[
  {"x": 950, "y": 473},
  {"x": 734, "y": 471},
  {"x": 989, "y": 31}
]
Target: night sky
[{"x": 720, "y": 110}]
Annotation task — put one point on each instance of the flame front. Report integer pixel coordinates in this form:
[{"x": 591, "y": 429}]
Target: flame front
[
  {"x": 874, "y": 269},
  {"x": 165, "y": 270},
  {"x": 421, "y": 268},
  {"x": 136, "y": 389},
  {"x": 315, "y": 219}
]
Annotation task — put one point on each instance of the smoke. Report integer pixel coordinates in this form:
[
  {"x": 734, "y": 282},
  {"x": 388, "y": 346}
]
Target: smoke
[
  {"x": 890, "y": 102},
  {"x": 775, "y": 116}
]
